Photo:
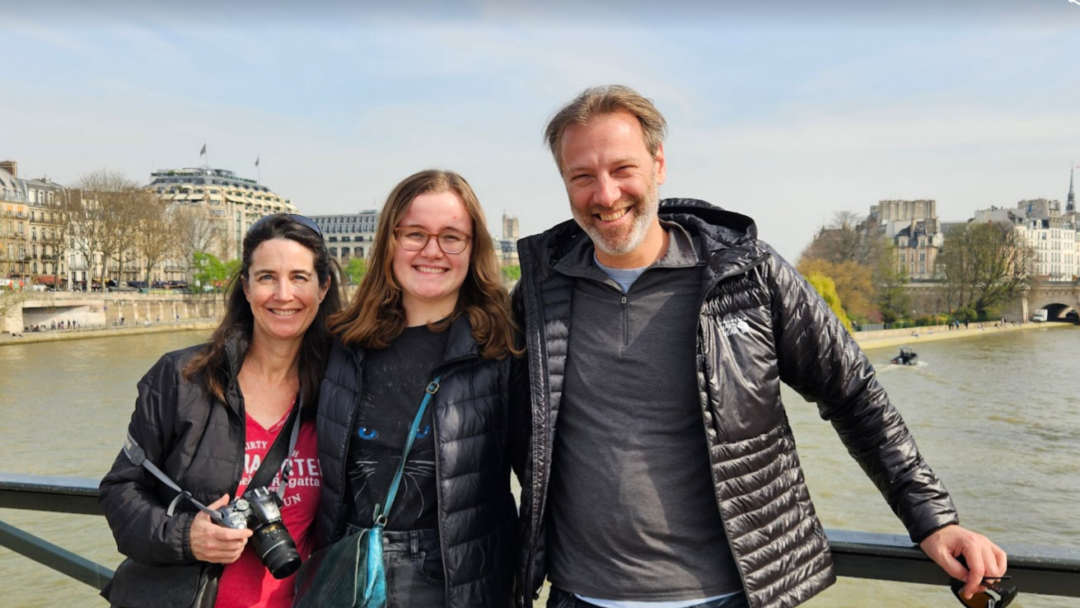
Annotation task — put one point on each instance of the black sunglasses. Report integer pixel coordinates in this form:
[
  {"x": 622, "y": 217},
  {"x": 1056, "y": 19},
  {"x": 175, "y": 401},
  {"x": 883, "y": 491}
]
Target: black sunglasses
[
  {"x": 296, "y": 217},
  {"x": 994, "y": 596}
]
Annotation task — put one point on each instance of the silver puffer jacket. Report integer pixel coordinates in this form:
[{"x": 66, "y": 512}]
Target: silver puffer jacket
[{"x": 760, "y": 324}]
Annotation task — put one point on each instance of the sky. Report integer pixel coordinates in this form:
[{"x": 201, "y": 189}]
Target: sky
[{"x": 785, "y": 111}]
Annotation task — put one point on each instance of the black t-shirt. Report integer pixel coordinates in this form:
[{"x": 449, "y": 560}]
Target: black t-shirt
[{"x": 394, "y": 383}]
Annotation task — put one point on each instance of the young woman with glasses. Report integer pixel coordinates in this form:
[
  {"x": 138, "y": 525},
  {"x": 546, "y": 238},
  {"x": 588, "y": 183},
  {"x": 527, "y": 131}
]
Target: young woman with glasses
[
  {"x": 208, "y": 415},
  {"x": 431, "y": 305}
]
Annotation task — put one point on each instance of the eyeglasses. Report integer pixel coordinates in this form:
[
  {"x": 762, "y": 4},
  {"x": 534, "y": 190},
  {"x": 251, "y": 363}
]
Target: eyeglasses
[
  {"x": 414, "y": 238},
  {"x": 995, "y": 595},
  {"x": 296, "y": 217}
]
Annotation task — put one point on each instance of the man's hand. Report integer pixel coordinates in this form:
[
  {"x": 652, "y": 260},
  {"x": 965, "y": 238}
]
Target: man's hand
[
  {"x": 213, "y": 543},
  {"x": 984, "y": 558}
]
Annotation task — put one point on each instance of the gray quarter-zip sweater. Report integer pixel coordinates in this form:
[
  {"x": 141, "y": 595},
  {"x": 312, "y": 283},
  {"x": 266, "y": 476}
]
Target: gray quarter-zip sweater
[{"x": 633, "y": 512}]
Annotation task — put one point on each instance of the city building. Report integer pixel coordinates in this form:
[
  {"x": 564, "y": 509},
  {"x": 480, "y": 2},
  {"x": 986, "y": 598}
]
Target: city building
[
  {"x": 15, "y": 254},
  {"x": 506, "y": 246},
  {"x": 234, "y": 201},
  {"x": 1053, "y": 236},
  {"x": 914, "y": 229},
  {"x": 348, "y": 235},
  {"x": 49, "y": 234}
]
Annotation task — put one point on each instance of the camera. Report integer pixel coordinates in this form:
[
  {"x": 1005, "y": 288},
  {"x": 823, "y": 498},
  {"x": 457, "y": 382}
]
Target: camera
[{"x": 260, "y": 510}]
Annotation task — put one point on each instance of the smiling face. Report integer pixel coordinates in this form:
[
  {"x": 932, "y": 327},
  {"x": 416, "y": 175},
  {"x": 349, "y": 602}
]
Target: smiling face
[
  {"x": 283, "y": 290},
  {"x": 613, "y": 184},
  {"x": 430, "y": 279}
]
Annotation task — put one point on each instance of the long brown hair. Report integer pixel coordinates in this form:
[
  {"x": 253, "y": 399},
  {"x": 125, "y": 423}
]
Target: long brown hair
[
  {"x": 211, "y": 365},
  {"x": 376, "y": 315}
]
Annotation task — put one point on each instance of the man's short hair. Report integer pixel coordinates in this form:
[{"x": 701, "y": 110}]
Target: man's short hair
[{"x": 598, "y": 101}]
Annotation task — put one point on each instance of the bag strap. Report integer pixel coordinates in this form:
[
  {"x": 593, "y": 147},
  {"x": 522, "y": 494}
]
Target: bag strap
[
  {"x": 382, "y": 513},
  {"x": 278, "y": 458},
  {"x": 265, "y": 474}
]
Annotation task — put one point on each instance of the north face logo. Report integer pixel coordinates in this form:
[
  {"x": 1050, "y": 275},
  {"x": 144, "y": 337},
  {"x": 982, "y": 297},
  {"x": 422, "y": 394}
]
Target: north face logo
[{"x": 731, "y": 327}]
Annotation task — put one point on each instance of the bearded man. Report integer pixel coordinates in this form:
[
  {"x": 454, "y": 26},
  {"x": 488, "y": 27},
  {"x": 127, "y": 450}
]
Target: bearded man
[{"x": 661, "y": 471}]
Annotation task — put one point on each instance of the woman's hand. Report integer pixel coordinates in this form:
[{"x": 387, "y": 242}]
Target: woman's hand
[{"x": 213, "y": 543}]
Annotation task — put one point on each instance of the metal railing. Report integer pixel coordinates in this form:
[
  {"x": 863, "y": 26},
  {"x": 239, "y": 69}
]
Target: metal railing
[{"x": 887, "y": 557}]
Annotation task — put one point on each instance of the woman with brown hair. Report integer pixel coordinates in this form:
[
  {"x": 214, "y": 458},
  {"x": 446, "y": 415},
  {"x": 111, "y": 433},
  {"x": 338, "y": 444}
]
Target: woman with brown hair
[
  {"x": 208, "y": 416},
  {"x": 431, "y": 306}
]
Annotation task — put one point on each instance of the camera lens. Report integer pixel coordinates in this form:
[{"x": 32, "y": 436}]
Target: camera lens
[{"x": 276, "y": 549}]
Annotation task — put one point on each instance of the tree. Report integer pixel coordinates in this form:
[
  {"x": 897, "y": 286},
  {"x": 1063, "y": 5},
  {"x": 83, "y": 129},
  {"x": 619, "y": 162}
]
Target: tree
[
  {"x": 827, "y": 290},
  {"x": 511, "y": 273},
  {"x": 846, "y": 240},
  {"x": 195, "y": 233},
  {"x": 851, "y": 254},
  {"x": 853, "y": 283},
  {"x": 101, "y": 219},
  {"x": 154, "y": 237},
  {"x": 86, "y": 231},
  {"x": 55, "y": 241},
  {"x": 893, "y": 300},
  {"x": 122, "y": 207},
  {"x": 210, "y": 271},
  {"x": 355, "y": 270},
  {"x": 983, "y": 265}
]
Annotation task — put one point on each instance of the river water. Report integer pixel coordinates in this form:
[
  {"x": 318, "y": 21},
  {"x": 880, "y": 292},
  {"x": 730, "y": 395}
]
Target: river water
[{"x": 997, "y": 416}]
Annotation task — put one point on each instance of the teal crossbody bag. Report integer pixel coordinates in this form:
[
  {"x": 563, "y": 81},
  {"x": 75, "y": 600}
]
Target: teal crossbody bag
[{"x": 351, "y": 572}]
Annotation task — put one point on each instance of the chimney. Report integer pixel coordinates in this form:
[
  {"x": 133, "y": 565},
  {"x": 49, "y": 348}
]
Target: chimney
[{"x": 10, "y": 166}]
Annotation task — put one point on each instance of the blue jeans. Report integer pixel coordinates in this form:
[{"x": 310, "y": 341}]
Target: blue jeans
[
  {"x": 414, "y": 569},
  {"x": 558, "y": 598}
]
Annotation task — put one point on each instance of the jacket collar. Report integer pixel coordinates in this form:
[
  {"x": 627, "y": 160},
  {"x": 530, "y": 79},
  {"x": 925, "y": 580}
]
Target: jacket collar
[
  {"x": 236, "y": 348},
  {"x": 460, "y": 343},
  {"x": 728, "y": 240}
]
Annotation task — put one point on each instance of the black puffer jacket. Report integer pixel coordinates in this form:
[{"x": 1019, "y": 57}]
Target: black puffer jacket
[
  {"x": 759, "y": 325},
  {"x": 196, "y": 442},
  {"x": 471, "y": 420}
]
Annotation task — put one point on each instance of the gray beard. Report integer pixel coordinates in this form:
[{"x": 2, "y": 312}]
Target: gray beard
[{"x": 648, "y": 209}]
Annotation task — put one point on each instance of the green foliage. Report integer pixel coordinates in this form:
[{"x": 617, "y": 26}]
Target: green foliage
[
  {"x": 984, "y": 265},
  {"x": 511, "y": 273},
  {"x": 826, "y": 288},
  {"x": 862, "y": 264},
  {"x": 212, "y": 272},
  {"x": 966, "y": 313},
  {"x": 355, "y": 270},
  {"x": 891, "y": 278}
]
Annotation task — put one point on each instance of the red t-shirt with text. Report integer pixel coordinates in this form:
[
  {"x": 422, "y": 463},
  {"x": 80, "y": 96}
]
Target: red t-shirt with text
[{"x": 246, "y": 582}]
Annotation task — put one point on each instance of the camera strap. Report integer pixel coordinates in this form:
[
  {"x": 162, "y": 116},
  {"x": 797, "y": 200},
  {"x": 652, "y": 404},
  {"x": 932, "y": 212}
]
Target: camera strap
[{"x": 275, "y": 460}]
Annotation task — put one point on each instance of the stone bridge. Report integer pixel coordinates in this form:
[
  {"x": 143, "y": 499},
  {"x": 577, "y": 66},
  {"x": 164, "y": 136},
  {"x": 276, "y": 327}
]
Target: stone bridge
[
  {"x": 25, "y": 309},
  {"x": 1061, "y": 300}
]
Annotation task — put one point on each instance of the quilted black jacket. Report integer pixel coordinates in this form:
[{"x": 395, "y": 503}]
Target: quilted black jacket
[
  {"x": 759, "y": 324},
  {"x": 199, "y": 444},
  {"x": 471, "y": 422}
]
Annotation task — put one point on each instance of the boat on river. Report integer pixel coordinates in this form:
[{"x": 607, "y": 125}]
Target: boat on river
[{"x": 906, "y": 357}]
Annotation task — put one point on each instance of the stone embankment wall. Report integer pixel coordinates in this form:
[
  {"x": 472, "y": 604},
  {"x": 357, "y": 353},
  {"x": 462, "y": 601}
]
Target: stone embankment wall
[
  {"x": 109, "y": 309},
  {"x": 913, "y": 336}
]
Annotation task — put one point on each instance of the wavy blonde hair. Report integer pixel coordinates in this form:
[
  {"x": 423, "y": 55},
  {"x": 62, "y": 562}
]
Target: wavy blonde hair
[{"x": 376, "y": 315}]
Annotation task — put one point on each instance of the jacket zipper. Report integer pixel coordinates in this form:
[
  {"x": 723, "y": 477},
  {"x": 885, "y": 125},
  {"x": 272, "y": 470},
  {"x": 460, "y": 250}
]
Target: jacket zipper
[
  {"x": 238, "y": 471},
  {"x": 538, "y": 447},
  {"x": 716, "y": 419},
  {"x": 625, "y": 321},
  {"x": 438, "y": 486},
  {"x": 335, "y": 531}
]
